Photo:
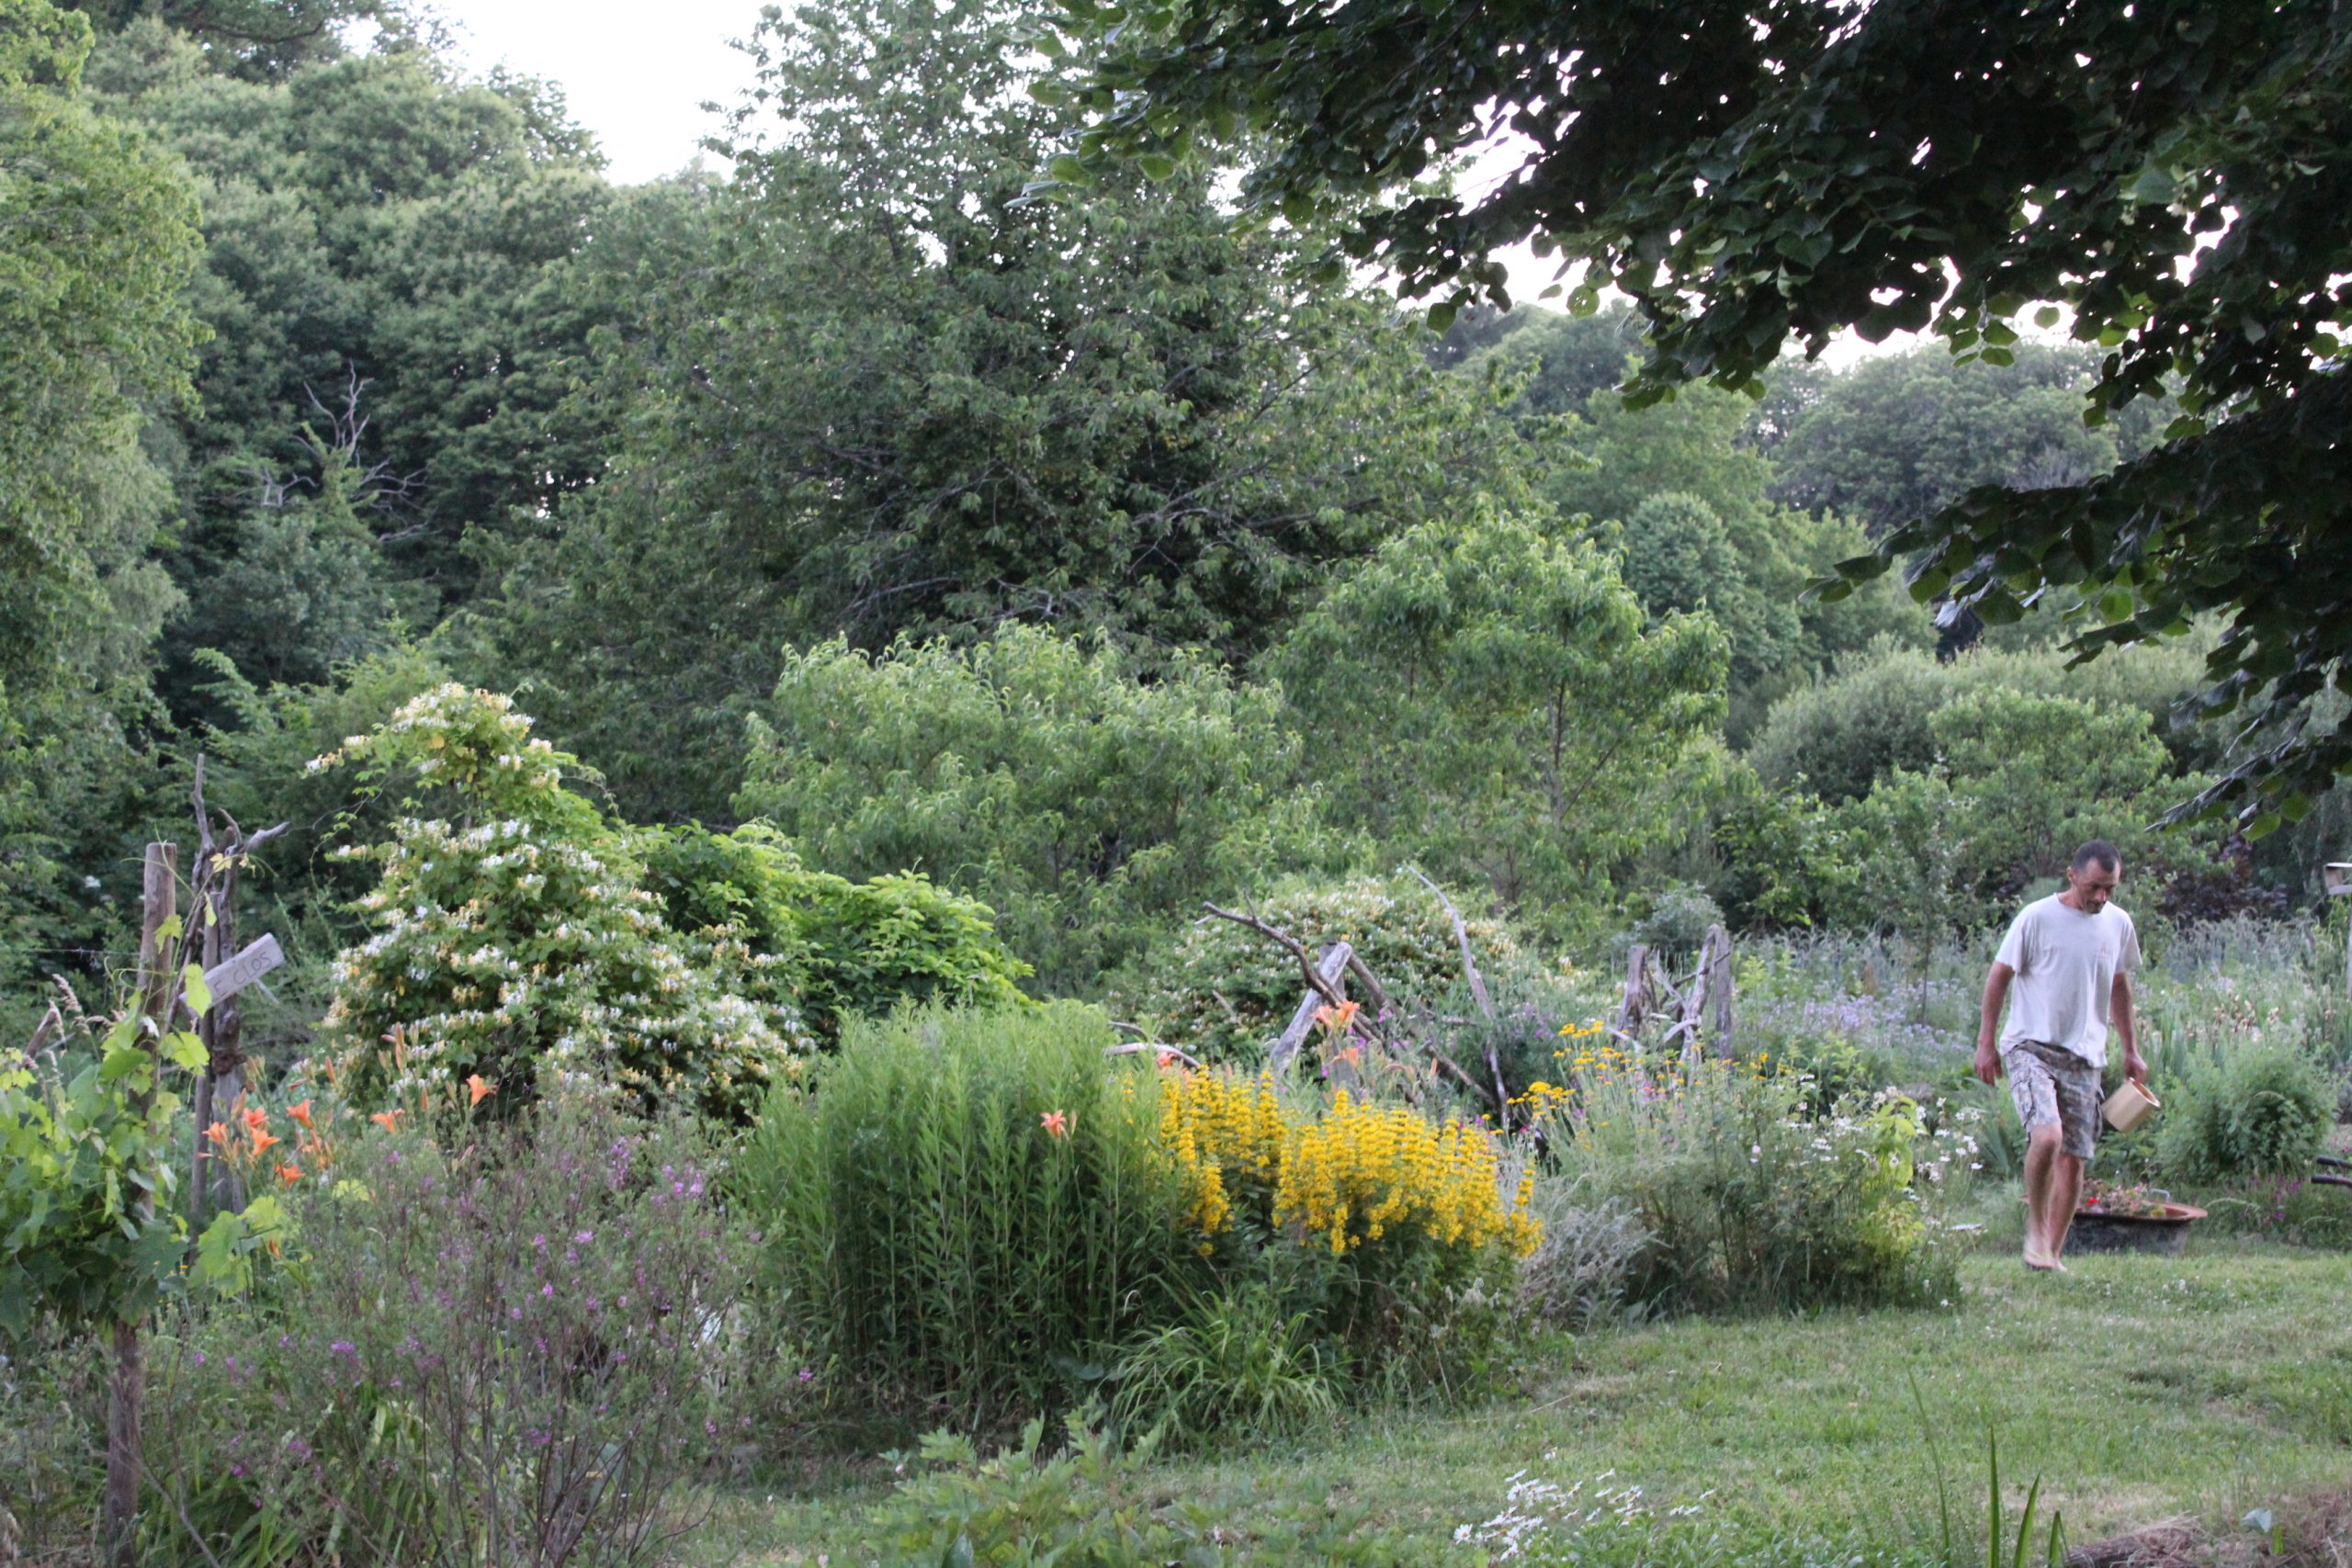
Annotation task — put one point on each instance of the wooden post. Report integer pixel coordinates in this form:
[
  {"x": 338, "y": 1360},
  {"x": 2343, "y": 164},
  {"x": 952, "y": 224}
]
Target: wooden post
[
  {"x": 1294, "y": 1035},
  {"x": 1716, "y": 987},
  {"x": 1635, "y": 1006},
  {"x": 126, "y": 1393}
]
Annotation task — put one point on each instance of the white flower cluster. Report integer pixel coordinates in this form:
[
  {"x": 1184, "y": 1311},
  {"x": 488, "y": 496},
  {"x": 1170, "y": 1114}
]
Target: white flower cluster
[{"x": 1534, "y": 1507}]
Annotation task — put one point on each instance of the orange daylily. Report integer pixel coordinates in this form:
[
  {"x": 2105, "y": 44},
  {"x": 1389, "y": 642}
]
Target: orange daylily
[
  {"x": 217, "y": 1133},
  {"x": 1339, "y": 1018},
  {"x": 262, "y": 1140},
  {"x": 1056, "y": 1123},
  {"x": 316, "y": 1150},
  {"x": 255, "y": 1119},
  {"x": 477, "y": 1091},
  {"x": 289, "y": 1174},
  {"x": 1353, "y": 1056},
  {"x": 300, "y": 1114},
  {"x": 389, "y": 1120}
]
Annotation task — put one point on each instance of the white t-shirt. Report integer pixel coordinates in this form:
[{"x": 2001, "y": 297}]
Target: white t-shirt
[{"x": 2066, "y": 962}]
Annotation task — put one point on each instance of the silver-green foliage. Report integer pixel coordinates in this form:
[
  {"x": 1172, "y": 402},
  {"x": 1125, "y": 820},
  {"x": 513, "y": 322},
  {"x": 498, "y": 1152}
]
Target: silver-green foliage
[{"x": 1224, "y": 992}]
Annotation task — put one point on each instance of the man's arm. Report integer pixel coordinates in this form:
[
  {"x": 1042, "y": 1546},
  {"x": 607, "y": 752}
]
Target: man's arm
[
  {"x": 1988, "y": 1030},
  {"x": 2127, "y": 1029}
]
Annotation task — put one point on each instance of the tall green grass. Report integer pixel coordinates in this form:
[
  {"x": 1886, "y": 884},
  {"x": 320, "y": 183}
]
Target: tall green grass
[{"x": 953, "y": 1255}]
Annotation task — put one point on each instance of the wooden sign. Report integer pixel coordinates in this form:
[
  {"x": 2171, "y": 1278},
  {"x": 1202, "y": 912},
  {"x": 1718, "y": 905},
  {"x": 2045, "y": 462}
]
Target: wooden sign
[{"x": 229, "y": 977}]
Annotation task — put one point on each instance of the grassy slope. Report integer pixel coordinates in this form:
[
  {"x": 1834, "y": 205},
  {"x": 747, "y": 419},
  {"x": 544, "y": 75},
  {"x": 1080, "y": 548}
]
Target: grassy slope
[{"x": 2139, "y": 1388}]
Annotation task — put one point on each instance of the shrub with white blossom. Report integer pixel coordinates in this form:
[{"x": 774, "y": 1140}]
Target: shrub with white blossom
[{"x": 515, "y": 940}]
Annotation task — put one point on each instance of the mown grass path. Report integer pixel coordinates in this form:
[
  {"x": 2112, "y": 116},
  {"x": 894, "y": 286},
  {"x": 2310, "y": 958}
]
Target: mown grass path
[{"x": 2137, "y": 1388}]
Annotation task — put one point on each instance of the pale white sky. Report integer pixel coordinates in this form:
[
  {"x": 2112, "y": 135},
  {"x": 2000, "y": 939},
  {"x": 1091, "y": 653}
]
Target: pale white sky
[
  {"x": 634, "y": 75},
  {"x": 637, "y": 79}
]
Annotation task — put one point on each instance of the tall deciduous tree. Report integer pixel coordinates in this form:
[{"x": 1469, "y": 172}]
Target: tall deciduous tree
[
  {"x": 377, "y": 226},
  {"x": 98, "y": 240},
  {"x": 1487, "y": 698},
  {"x": 888, "y": 395},
  {"x": 2170, "y": 175}
]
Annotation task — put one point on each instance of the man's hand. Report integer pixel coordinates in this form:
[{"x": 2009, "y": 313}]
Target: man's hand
[
  {"x": 2135, "y": 1067},
  {"x": 1988, "y": 1060}
]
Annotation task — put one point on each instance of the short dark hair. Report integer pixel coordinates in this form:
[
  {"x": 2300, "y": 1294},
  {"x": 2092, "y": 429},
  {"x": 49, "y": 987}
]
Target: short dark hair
[{"x": 2105, "y": 856}]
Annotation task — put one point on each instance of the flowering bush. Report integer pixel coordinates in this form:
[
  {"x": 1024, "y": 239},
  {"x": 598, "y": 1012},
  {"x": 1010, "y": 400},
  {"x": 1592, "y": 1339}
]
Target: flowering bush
[
  {"x": 1748, "y": 1201},
  {"x": 515, "y": 942},
  {"x": 1392, "y": 1229},
  {"x": 512, "y": 1354}
]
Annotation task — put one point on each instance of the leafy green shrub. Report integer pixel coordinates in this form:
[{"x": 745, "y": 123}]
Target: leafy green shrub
[
  {"x": 853, "y": 947},
  {"x": 1749, "y": 1202},
  {"x": 1238, "y": 1369},
  {"x": 1677, "y": 919},
  {"x": 1877, "y": 713},
  {"x": 1224, "y": 992},
  {"x": 965, "y": 1209},
  {"x": 1089, "y": 806},
  {"x": 512, "y": 1353},
  {"x": 1489, "y": 700},
  {"x": 2263, "y": 1113},
  {"x": 515, "y": 939}
]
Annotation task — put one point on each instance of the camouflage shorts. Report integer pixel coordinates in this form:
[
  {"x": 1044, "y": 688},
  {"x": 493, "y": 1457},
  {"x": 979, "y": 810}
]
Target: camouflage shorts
[{"x": 2051, "y": 1084}]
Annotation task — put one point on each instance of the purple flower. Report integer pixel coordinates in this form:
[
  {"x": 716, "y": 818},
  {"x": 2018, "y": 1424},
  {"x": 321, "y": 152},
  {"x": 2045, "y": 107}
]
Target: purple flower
[
  {"x": 806, "y": 1375},
  {"x": 199, "y": 1357},
  {"x": 547, "y": 1290},
  {"x": 298, "y": 1448},
  {"x": 584, "y": 1237}
]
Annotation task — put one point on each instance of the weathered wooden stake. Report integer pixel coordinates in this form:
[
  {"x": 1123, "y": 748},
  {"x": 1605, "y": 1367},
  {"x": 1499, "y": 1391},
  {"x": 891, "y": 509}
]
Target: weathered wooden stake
[{"x": 126, "y": 1393}]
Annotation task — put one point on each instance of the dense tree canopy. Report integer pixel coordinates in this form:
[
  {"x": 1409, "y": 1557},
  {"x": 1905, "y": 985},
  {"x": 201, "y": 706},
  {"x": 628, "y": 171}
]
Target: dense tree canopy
[
  {"x": 98, "y": 240},
  {"x": 871, "y": 391},
  {"x": 2171, "y": 175},
  {"x": 392, "y": 266}
]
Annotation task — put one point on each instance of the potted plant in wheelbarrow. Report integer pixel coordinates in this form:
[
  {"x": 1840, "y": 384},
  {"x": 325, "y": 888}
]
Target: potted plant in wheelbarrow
[{"x": 2111, "y": 1217}]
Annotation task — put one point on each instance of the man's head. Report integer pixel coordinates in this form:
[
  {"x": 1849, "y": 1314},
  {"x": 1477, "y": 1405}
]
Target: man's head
[{"x": 2092, "y": 875}]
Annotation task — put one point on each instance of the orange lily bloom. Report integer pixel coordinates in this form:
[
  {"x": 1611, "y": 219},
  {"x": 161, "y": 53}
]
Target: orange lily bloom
[
  {"x": 289, "y": 1174},
  {"x": 389, "y": 1120},
  {"x": 255, "y": 1119},
  {"x": 477, "y": 1091},
  {"x": 262, "y": 1140},
  {"x": 217, "y": 1133},
  {"x": 1056, "y": 1123},
  {"x": 1353, "y": 1056},
  {"x": 300, "y": 1114}
]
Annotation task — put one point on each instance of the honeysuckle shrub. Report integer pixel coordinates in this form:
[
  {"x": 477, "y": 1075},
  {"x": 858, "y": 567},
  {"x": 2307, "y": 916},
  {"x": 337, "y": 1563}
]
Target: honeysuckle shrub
[
  {"x": 1224, "y": 992},
  {"x": 1752, "y": 1203},
  {"x": 522, "y": 938},
  {"x": 513, "y": 1350},
  {"x": 515, "y": 939}
]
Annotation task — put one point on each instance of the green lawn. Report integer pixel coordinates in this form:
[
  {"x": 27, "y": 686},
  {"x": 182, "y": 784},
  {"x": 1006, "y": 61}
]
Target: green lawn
[{"x": 2138, "y": 1388}]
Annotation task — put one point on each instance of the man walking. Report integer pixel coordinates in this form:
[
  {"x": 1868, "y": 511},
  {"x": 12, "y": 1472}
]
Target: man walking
[{"x": 2069, "y": 958}]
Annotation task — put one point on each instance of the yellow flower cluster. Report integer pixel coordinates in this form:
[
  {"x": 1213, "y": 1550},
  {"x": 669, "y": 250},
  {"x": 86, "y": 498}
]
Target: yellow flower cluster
[{"x": 1358, "y": 1173}]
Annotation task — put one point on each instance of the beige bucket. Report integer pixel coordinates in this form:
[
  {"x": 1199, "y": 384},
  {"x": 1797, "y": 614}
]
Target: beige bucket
[{"x": 2129, "y": 1106}]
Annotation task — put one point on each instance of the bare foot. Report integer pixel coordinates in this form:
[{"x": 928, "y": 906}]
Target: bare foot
[{"x": 2040, "y": 1263}]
